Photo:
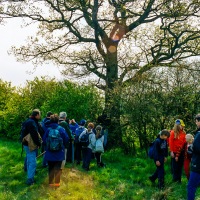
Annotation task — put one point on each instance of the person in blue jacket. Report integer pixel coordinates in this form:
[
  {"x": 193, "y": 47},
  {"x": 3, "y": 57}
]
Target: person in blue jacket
[
  {"x": 194, "y": 180},
  {"x": 55, "y": 158},
  {"x": 160, "y": 157}
]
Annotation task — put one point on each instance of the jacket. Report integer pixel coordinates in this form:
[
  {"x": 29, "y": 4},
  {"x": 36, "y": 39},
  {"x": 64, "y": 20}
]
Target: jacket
[
  {"x": 161, "y": 149},
  {"x": 176, "y": 145},
  {"x": 56, "y": 155},
  {"x": 32, "y": 126},
  {"x": 195, "y": 162}
]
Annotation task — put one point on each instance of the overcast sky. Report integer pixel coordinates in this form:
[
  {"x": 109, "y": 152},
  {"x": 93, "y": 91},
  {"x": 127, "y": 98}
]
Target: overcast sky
[{"x": 15, "y": 72}]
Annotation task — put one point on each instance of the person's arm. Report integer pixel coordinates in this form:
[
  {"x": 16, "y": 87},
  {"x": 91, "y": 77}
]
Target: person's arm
[
  {"x": 196, "y": 146},
  {"x": 156, "y": 149},
  {"x": 33, "y": 130},
  {"x": 92, "y": 139},
  {"x": 171, "y": 144},
  {"x": 64, "y": 137}
]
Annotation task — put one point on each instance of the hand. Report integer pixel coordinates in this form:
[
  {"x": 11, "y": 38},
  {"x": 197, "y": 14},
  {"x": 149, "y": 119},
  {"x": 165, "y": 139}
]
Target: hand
[
  {"x": 158, "y": 163},
  {"x": 172, "y": 154},
  {"x": 165, "y": 160},
  {"x": 176, "y": 159}
]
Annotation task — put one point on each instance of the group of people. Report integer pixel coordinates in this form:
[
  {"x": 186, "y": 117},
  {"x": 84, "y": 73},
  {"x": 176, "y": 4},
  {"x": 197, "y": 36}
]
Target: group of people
[
  {"x": 59, "y": 139},
  {"x": 184, "y": 152}
]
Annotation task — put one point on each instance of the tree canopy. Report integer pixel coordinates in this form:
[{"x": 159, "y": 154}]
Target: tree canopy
[{"x": 114, "y": 41}]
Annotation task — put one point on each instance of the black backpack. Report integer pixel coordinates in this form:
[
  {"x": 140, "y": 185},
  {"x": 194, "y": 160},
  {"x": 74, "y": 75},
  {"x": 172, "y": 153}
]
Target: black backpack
[
  {"x": 84, "y": 139},
  {"x": 54, "y": 139}
]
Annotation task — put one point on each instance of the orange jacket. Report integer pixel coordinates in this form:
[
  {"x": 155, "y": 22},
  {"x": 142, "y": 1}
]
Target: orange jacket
[{"x": 176, "y": 145}]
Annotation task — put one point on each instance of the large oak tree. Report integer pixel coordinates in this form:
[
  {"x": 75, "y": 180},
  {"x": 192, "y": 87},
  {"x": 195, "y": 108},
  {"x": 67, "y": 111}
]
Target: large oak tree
[{"x": 113, "y": 42}]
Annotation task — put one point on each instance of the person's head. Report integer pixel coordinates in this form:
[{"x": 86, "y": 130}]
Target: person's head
[
  {"x": 164, "y": 134},
  {"x": 197, "y": 120},
  {"x": 54, "y": 118},
  {"x": 63, "y": 115},
  {"x": 36, "y": 114},
  {"x": 189, "y": 138},
  {"x": 90, "y": 126},
  {"x": 178, "y": 126},
  {"x": 98, "y": 128},
  {"x": 82, "y": 122},
  {"x": 49, "y": 114}
]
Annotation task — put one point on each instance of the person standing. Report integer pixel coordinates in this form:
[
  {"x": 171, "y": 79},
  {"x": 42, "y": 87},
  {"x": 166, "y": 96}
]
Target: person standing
[
  {"x": 45, "y": 124},
  {"x": 187, "y": 157},
  {"x": 87, "y": 150},
  {"x": 31, "y": 142},
  {"x": 62, "y": 122},
  {"x": 160, "y": 157},
  {"x": 105, "y": 121},
  {"x": 77, "y": 145},
  {"x": 194, "y": 179},
  {"x": 55, "y": 149},
  {"x": 176, "y": 145},
  {"x": 99, "y": 136}
]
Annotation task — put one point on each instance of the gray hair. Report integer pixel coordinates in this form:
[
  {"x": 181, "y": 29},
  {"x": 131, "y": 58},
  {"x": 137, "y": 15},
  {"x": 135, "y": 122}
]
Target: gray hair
[{"x": 62, "y": 115}]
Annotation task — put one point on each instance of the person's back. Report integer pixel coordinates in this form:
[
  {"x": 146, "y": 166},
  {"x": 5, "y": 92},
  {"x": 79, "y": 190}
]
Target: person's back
[{"x": 55, "y": 155}]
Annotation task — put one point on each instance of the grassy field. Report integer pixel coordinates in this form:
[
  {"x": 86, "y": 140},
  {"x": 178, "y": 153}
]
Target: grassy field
[{"x": 124, "y": 178}]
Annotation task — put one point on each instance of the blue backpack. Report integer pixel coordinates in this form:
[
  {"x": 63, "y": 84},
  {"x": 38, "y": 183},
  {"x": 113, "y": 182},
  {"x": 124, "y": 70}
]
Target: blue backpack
[
  {"x": 151, "y": 151},
  {"x": 84, "y": 139},
  {"x": 78, "y": 131},
  {"x": 54, "y": 139}
]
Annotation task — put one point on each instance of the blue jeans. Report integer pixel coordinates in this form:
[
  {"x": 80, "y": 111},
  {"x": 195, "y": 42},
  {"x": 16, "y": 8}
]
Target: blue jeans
[
  {"x": 31, "y": 162},
  {"x": 193, "y": 183}
]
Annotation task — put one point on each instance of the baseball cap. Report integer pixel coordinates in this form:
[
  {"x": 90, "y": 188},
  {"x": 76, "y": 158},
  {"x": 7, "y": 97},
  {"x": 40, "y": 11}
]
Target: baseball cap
[{"x": 180, "y": 122}]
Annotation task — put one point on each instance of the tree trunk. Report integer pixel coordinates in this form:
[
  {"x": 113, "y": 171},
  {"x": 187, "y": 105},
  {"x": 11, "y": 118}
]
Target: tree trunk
[{"x": 112, "y": 100}]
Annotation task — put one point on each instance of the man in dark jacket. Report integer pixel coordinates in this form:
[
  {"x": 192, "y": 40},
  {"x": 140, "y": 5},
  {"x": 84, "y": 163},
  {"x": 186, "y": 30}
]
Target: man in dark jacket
[
  {"x": 32, "y": 144},
  {"x": 194, "y": 180}
]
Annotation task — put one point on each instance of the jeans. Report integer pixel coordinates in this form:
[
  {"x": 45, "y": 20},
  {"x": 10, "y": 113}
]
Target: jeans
[
  {"x": 193, "y": 183},
  {"x": 31, "y": 162}
]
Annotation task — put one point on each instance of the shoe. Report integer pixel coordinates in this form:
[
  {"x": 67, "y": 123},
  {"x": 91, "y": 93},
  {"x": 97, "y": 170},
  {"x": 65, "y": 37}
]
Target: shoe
[
  {"x": 78, "y": 163},
  {"x": 87, "y": 169},
  {"x": 151, "y": 179},
  {"x": 30, "y": 181},
  {"x": 57, "y": 185}
]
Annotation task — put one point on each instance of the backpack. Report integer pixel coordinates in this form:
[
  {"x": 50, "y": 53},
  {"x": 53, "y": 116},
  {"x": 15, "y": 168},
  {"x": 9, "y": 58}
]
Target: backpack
[
  {"x": 99, "y": 146},
  {"x": 84, "y": 139},
  {"x": 54, "y": 140},
  {"x": 78, "y": 131},
  {"x": 151, "y": 150}
]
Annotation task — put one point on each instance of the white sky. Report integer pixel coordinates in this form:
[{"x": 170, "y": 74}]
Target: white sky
[{"x": 11, "y": 34}]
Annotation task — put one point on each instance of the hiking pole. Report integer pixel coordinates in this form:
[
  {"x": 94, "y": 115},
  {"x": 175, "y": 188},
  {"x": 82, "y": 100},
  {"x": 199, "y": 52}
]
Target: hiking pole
[
  {"x": 72, "y": 153},
  {"x": 41, "y": 154}
]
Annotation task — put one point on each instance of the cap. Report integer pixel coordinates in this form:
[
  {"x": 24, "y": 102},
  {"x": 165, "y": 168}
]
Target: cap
[
  {"x": 82, "y": 122},
  {"x": 179, "y": 122}
]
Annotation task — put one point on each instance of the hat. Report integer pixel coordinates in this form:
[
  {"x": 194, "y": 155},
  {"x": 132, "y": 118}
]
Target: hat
[
  {"x": 82, "y": 122},
  {"x": 179, "y": 122},
  {"x": 62, "y": 115}
]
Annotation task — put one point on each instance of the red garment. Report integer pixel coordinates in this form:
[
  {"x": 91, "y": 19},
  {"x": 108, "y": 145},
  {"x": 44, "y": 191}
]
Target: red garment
[
  {"x": 187, "y": 167},
  {"x": 187, "y": 160},
  {"x": 176, "y": 145}
]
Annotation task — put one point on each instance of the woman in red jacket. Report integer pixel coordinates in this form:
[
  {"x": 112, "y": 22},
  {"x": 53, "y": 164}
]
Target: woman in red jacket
[{"x": 176, "y": 145}]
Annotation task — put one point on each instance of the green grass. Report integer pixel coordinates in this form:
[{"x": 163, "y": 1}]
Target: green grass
[{"x": 124, "y": 178}]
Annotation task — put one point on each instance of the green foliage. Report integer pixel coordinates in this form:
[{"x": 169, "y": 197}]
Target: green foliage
[
  {"x": 154, "y": 103},
  {"x": 124, "y": 178},
  {"x": 47, "y": 95}
]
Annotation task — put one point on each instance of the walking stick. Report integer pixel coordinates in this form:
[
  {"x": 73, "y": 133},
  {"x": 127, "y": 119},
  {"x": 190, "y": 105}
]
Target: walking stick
[
  {"x": 41, "y": 154},
  {"x": 72, "y": 153}
]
